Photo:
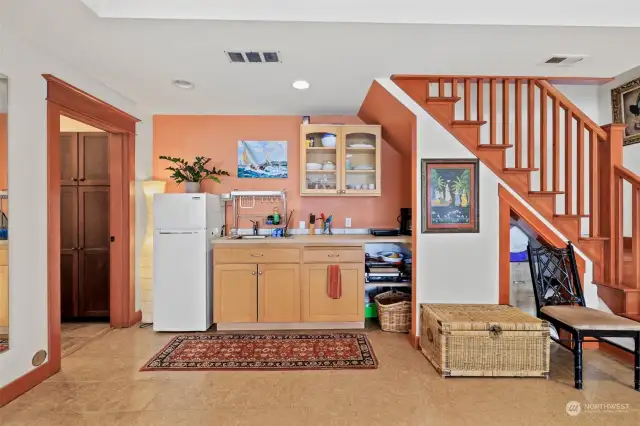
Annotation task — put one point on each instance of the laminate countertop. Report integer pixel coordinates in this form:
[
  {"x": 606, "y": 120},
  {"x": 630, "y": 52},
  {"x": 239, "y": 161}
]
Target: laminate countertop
[{"x": 317, "y": 240}]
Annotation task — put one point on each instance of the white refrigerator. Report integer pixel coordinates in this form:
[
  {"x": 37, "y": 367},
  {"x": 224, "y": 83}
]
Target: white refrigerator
[{"x": 184, "y": 226}]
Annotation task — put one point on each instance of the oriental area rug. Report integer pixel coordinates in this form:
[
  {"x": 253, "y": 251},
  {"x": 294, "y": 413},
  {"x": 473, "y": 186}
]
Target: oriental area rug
[{"x": 201, "y": 352}]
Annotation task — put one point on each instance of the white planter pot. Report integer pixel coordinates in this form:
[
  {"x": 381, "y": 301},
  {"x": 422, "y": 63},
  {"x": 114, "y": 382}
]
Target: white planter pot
[{"x": 192, "y": 187}]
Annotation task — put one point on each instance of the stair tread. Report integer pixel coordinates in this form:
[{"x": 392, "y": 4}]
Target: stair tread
[
  {"x": 489, "y": 147},
  {"x": 546, "y": 192},
  {"x": 587, "y": 239},
  {"x": 617, "y": 287},
  {"x": 437, "y": 99},
  {"x": 570, "y": 216},
  {"x": 519, "y": 169},
  {"x": 468, "y": 122}
]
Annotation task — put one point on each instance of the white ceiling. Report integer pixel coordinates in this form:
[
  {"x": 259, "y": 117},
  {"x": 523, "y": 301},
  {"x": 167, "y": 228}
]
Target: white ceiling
[
  {"x": 139, "y": 57},
  {"x": 469, "y": 12}
]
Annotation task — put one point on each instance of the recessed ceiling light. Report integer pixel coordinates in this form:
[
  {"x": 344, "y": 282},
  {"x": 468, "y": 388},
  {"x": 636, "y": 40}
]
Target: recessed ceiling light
[
  {"x": 183, "y": 84},
  {"x": 300, "y": 85}
]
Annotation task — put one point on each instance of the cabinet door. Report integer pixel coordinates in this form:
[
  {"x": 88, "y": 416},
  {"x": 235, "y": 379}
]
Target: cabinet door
[
  {"x": 93, "y": 286},
  {"x": 68, "y": 158},
  {"x": 93, "y": 158},
  {"x": 361, "y": 148},
  {"x": 279, "y": 292},
  {"x": 235, "y": 293},
  {"x": 4, "y": 295},
  {"x": 317, "y": 306},
  {"x": 314, "y": 180},
  {"x": 69, "y": 251}
]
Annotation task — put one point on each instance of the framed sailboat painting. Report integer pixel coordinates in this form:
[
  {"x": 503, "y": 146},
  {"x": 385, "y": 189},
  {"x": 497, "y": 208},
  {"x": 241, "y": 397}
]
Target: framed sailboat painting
[
  {"x": 262, "y": 159},
  {"x": 450, "y": 200}
]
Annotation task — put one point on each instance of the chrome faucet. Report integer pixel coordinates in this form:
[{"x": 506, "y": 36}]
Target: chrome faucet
[{"x": 255, "y": 227}]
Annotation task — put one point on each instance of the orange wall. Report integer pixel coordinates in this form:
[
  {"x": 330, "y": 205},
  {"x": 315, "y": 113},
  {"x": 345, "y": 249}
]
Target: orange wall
[{"x": 217, "y": 136}]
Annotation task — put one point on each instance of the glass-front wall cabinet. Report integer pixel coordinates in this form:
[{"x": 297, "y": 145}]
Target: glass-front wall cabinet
[{"x": 340, "y": 160}]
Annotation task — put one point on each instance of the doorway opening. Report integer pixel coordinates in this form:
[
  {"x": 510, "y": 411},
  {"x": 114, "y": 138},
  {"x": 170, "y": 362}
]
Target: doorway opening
[{"x": 84, "y": 233}]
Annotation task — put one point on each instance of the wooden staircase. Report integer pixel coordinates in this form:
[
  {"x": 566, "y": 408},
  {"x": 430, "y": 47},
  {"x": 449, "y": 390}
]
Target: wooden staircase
[{"x": 556, "y": 158}]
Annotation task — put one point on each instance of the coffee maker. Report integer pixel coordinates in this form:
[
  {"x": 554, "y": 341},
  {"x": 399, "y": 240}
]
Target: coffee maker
[{"x": 405, "y": 221}]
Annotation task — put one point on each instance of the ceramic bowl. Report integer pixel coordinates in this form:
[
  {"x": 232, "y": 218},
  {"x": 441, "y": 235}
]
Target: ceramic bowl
[
  {"x": 314, "y": 166},
  {"x": 329, "y": 140},
  {"x": 328, "y": 167},
  {"x": 395, "y": 260}
]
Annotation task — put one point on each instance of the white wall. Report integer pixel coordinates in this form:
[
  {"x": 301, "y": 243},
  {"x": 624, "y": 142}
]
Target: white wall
[
  {"x": 3, "y": 95},
  {"x": 27, "y": 146},
  {"x": 462, "y": 268},
  {"x": 631, "y": 153}
]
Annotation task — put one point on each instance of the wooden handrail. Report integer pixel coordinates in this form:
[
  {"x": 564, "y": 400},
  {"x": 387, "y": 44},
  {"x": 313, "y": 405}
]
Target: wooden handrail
[
  {"x": 510, "y": 78},
  {"x": 568, "y": 105},
  {"x": 627, "y": 175}
]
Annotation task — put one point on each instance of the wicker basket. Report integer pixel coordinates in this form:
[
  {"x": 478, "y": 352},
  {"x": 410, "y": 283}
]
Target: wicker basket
[
  {"x": 484, "y": 340},
  {"x": 394, "y": 311}
]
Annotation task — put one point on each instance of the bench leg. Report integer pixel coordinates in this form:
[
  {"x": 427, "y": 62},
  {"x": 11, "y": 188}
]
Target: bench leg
[
  {"x": 577, "y": 360},
  {"x": 637, "y": 363}
]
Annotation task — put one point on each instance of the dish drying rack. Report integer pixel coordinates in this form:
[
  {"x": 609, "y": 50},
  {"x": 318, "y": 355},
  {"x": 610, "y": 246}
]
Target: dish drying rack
[
  {"x": 246, "y": 200},
  {"x": 4, "y": 219}
]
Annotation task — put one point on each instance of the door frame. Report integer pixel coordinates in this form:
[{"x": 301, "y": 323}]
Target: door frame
[{"x": 65, "y": 99}]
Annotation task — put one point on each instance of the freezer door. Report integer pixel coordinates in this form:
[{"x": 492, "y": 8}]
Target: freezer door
[
  {"x": 179, "y": 211},
  {"x": 180, "y": 301}
]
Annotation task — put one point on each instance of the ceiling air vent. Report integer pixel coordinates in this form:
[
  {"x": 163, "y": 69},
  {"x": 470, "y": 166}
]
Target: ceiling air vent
[
  {"x": 253, "y": 57},
  {"x": 564, "y": 59}
]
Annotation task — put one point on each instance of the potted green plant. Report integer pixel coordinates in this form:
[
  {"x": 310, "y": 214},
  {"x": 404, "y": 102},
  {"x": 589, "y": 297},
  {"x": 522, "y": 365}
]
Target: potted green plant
[{"x": 194, "y": 173}]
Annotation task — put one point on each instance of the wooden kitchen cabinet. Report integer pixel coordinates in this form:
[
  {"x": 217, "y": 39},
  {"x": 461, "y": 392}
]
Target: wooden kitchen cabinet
[
  {"x": 4, "y": 287},
  {"x": 317, "y": 306},
  {"x": 279, "y": 293},
  {"x": 235, "y": 293},
  {"x": 357, "y": 157}
]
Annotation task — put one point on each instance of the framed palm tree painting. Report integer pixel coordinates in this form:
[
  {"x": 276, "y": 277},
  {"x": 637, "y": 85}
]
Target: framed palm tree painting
[{"x": 450, "y": 197}]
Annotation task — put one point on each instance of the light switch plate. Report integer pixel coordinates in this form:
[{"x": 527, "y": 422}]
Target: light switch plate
[
  {"x": 302, "y": 224},
  {"x": 347, "y": 222}
]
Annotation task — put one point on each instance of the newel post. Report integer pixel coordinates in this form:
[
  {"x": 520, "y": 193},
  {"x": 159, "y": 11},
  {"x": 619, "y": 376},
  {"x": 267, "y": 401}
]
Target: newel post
[{"x": 609, "y": 156}]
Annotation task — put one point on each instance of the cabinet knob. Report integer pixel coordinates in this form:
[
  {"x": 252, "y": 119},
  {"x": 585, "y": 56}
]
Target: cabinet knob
[
  {"x": 74, "y": 179},
  {"x": 82, "y": 179},
  {"x": 260, "y": 273},
  {"x": 253, "y": 273}
]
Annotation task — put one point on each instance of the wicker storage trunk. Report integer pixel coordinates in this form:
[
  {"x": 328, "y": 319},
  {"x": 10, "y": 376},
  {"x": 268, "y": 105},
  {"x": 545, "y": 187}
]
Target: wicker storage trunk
[{"x": 484, "y": 340}]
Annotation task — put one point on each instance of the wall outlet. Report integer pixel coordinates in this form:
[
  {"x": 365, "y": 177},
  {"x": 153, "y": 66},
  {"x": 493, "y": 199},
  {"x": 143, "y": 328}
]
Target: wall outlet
[
  {"x": 302, "y": 224},
  {"x": 347, "y": 222}
]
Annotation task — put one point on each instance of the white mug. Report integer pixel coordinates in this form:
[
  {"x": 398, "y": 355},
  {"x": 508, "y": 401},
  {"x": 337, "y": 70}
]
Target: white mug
[
  {"x": 372, "y": 186},
  {"x": 357, "y": 186}
]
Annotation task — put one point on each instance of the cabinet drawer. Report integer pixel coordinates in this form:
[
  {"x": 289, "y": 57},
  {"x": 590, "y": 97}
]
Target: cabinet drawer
[
  {"x": 256, "y": 255},
  {"x": 333, "y": 255},
  {"x": 4, "y": 256}
]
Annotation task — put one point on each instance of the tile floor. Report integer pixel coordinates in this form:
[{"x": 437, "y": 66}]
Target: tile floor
[
  {"x": 100, "y": 385},
  {"x": 76, "y": 335}
]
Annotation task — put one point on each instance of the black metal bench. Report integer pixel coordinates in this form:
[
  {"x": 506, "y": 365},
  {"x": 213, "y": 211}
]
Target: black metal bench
[{"x": 560, "y": 300}]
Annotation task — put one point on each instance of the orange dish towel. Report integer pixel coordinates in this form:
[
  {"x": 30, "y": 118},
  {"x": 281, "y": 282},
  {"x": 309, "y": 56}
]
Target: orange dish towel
[{"x": 334, "y": 282}]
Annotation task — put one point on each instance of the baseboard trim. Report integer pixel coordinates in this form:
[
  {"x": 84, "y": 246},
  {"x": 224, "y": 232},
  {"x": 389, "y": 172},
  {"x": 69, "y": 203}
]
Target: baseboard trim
[
  {"x": 24, "y": 383},
  {"x": 135, "y": 318},
  {"x": 281, "y": 326},
  {"x": 619, "y": 354}
]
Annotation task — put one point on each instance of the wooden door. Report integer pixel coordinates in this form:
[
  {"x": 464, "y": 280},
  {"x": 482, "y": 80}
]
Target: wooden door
[
  {"x": 319, "y": 182},
  {"x": 69, "y": 252},
  {"x": 317, "y": 306},
  {"x": 93, "y": 288},
  {"x": 235, "y": 293},
  {"x": 68, "y": 158},
  {"x": 279, "y": 292},
  {"x": 93, "y": 158}
]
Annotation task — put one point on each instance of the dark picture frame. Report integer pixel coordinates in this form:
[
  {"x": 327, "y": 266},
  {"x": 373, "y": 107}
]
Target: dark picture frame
[
  {"x": 625, "y": 106},
  {"x": 450, "y": 196}
]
